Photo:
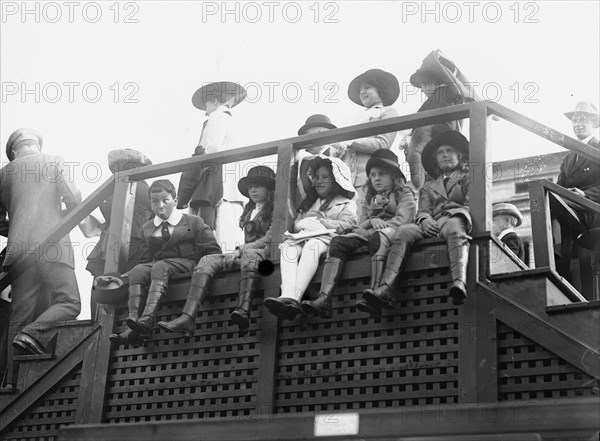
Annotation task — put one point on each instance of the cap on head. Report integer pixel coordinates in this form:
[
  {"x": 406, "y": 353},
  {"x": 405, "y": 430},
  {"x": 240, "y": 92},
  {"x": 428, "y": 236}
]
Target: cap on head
[{"x": 18, "y": 137}]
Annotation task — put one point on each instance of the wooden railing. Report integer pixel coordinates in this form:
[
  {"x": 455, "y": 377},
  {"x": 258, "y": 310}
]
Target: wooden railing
[{"x": 123, "y": 183}]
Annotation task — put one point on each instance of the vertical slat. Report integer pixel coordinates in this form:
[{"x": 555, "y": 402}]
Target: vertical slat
[
  {"x": 282, "y": 215},
  {"x": 541, "y": 226},
  {"x": 480, "y": 188},
  {"x": 96, "y": 360}
]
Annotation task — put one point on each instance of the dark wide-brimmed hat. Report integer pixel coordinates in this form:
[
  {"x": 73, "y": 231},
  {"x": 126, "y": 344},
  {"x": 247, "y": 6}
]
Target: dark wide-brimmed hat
[
  {"x": 19, "y": 136},
  {"x": 585, "y": 108},
  {"x": 317, "y": 120},
  {"x": 259, "y": 175},
  {"x": 222, "y": 90},
  {"x": 387, "y": 86},
  {"x": 385, "y": 159},
  {"x": 125, "y": 159},
  {"x": 452, "y": 138},
  {"x": 508, "y": 210},
  {"x": 110, "y": 289}
]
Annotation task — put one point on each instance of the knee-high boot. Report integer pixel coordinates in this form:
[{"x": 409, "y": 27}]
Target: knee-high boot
[
  {"x": 145, "y": 324},
  {"x": 458, "y": 255},
  {"x": 129, "y": 336},
  {"x": 248, "y": 288},
  {"x": 186, "y": 322},
  {"x": 322, "y": 306},
  {"x": 383, "y": 296}
]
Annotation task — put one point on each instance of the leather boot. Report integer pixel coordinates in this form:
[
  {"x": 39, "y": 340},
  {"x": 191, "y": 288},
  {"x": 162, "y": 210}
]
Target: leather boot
[
  {"x": 133, "y": 305},
  {"x": 383, "y": 296},
  {"x": 458, "y": 255},
  {"x": 322, "y": 306},
  {"x": 186, "y": 322},
  {"x": 248, "y": 288},
  {"x": 145, "y": 324},
  {"x": 377, "y": 268}
]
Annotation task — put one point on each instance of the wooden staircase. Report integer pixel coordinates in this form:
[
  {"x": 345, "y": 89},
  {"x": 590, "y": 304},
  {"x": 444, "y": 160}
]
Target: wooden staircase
[{"x": 505, "y": 348}]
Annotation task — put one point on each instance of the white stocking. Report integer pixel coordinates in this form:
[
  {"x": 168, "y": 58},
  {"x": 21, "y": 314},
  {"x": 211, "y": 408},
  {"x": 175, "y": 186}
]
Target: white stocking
[
  {"x": 288, "y": 266},
  {"x": 308, "y": 265}
]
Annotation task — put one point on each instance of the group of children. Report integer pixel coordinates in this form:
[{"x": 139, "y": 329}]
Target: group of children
[{"x": 327, "y": 224}]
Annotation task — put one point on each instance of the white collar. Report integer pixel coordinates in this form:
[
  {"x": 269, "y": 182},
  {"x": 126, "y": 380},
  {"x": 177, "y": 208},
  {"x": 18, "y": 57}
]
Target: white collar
[
  {"x": 505, "y": 232},
  {"x": 586, "y": 140},
  {"x": 173, "y": 220},
  {"x": 221, "y": 109}
]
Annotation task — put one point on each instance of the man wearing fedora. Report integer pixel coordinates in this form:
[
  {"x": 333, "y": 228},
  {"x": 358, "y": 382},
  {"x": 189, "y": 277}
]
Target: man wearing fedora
[
  {"x": 202, "y": 187},
  {"x": 443, "y": 211},
  {"x": 376, "y": 91},
  {"x": 47, "y": 292},
  {"x": 442, "y": 83},
  {"x": 505, "y": 218},
  {"x": 581, "y": 176}
]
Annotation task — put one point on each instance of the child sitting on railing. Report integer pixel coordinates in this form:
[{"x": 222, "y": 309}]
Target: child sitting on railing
[
  {"x": 443, "y": 211},
  {"x": 173, "y": 243},
  {"x": 388, "y": 204},
  {"x": 259, "y": 187},
  {"x": 327, "y": 209}
]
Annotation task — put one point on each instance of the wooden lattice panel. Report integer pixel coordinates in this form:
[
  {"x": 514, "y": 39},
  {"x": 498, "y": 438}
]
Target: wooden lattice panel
[
  {"x": 56, "y": 409},
  {"x": 211, "y": 375},
  {"x": 406, "y": 357},
  {"x": 528, "y": 371}
]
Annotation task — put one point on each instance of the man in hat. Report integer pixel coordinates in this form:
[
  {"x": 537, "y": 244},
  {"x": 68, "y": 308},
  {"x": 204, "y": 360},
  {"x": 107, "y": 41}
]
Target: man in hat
[
  {"x": 202, "y": 187},
  {"x": 440, "y": 81},
  {"x": 505, "y": 218},
  {"x": 580, "y": 175},
  {"x": 33, "y": 201},
  {"x": 376, "y": 91},
  {"x": 443, "y": 211}
]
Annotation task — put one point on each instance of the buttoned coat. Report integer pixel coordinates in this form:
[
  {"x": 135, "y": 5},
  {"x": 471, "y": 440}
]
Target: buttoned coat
[
  {"x": 191, "y": 239},
  {"x": 515, "y": 244},
  {"x": 580, "y": 172},
  {"x": 435, "y": 201},
  {"x": 33, "y": 188}
]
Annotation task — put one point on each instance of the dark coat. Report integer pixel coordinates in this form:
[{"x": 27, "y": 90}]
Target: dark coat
[
  {"x": 202, "y": 184},
  {"x": 515, "y": 244},
  {"x": 580, "y": 172},
  {"x": 444, "y": 96},
  {"x": 191, "y": 239},
  {"x": 142, "y": 212},
  {"x": 435, "y": 201},
  {"x": 257, "y": 231}
]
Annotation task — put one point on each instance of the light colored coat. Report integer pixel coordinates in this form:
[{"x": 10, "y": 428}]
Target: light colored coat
[{"x": 32, "y": 190}]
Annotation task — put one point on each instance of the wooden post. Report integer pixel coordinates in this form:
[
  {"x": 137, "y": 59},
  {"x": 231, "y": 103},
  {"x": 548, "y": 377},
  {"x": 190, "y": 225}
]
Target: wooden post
[
  {"x": 480, "y": 185},
  {"x": 541, "y": 225},
  {"x": 97, "y": 356},
  {"x": 282, "y": 211}
]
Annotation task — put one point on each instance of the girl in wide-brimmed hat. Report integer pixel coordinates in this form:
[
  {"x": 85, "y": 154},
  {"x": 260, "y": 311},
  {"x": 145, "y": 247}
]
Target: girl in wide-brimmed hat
[
  {"x": 376, "y": 90},
  {"x": 258, "y": 186},
  {"x": 389, "y": 203},
  {"x": 327, "y": 210},
  {"x": 443, "y": 211}
]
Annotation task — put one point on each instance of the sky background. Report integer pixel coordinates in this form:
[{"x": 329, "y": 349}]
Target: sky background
[{"x": 98, "y": 76}]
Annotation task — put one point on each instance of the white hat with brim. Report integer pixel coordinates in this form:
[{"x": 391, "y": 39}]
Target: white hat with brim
[
  {"x": 341, "y": 172},
  {"x": 508, "y": 210},
  {"x": 223, "y": 90},
  {"x": 585, "y": 108}
]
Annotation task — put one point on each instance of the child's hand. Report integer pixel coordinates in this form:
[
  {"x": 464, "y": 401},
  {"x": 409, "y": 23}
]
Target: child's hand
[
  {"x": 430, "y": 227},
  {"x": 230, "y": 257},
  {"x": 378, "y": 224}
]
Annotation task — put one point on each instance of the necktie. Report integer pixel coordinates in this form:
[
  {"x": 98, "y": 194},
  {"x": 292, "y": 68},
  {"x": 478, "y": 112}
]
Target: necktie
[
  {"x": 446, "y": 182},
  {"x": 164, "y": 231}
]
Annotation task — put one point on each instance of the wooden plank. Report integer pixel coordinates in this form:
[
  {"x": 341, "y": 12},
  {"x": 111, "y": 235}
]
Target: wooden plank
[
  {"x": 282, "y": 211},
  {"x": 439, "y": 420},
  {"x": 541, "y": 226},
  {"x": 545, "y": 132},
  {"x": 268, "y": 359}
]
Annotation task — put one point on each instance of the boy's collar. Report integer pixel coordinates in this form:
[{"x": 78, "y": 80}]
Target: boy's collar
[{"x": 173, "y": 220}]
